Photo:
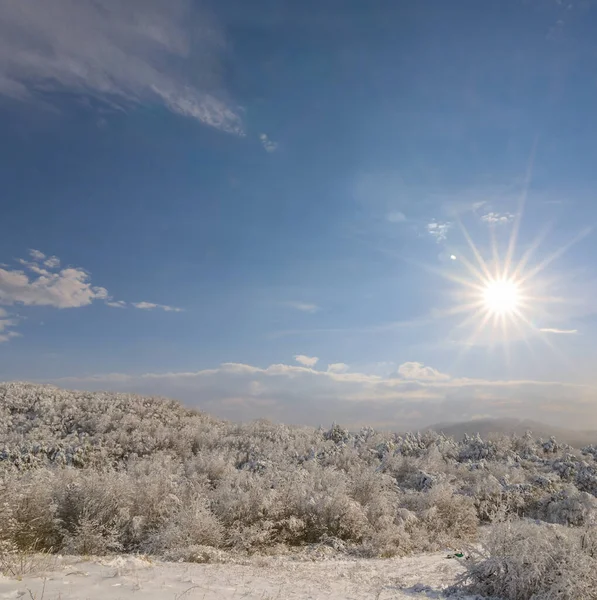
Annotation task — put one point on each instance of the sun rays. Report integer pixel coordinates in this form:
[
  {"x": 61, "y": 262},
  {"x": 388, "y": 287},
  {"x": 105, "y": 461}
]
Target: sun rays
[{"x": 503, "y": 300}]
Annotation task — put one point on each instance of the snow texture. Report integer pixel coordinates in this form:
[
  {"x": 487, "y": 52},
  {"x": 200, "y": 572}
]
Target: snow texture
[{"x": 124, "y": 577}]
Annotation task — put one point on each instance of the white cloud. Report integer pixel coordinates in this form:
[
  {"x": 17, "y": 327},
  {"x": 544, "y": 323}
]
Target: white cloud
[
  {"x": 52, "y": 263},
  {"x": 41, "y": 282},
  {"x": 559, "y": 331},
  {"x": 152, "y": 306},
  {"x": 438, "y": 230},
  {"x": 36, "y": 255},
  {"x": 418, "y": 371},
  {"x": 304, "y": 306},
  {"x": 9, "y": 335},
  {"x": 300, "y": 394},
  {"x": 396, "y": 216},
  {"x": 338, "y": 368},
  {"x": 6, "y": 325},
  {"x": 121, "y": 53},
  {"x": 68, "y": 288},
  {"x": 494, "y": 218},
  {"x": 116, "y": 303},
  {"x": 145, "y": 305},
  {"x": 307, "y": 361},
  {"x": 269, "y": 145}
]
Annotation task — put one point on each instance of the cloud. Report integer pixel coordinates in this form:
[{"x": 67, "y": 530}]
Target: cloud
[
  {"x": 9, "y": 335},
  {"x": 52, "y": 263},
  {"x": 438, "y": 230},
  {"x": 303, "y": 306},
  {"x": 152, "y": 306},
  {"x": 494, "y": 218},
  {"x": 300, "y": 394},
  {"x": 307, "y": 361},
  {"x": 67, "y": 288},
  {"x": 6, "y": 323},
  {"x": 41, "y": 282},
  {"x": 142, "y": 305},
  {"x": 116, "y": 303},
  {"x": 338, "y": 368},
  {"x": 269, "y": 145},
  {"x": 559, "y": 331},
  {"x": 396, "y": 216},
  {"x": 120, "y": 53},
  {"x": 418, "y": 371},
  {"x": 36, "y": 255}
]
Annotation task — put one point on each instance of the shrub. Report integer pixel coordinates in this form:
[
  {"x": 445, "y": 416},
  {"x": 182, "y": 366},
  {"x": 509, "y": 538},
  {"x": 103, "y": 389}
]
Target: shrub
[
  {"x": 523, "y": 560},
  {"x": 98, "y": 472},
  {"x": 190, "y": 526}
]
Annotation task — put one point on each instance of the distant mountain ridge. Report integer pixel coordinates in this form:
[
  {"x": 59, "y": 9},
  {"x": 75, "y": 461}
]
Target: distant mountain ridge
[{"x": 484, "y": 427}]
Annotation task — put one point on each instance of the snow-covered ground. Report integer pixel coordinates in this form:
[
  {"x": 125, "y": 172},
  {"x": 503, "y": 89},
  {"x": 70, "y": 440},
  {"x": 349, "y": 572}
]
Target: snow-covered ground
[{"x": 127, "y": 577}]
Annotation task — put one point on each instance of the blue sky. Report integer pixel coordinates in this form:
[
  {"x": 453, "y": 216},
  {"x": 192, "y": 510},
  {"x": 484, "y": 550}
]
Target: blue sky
[{"x": 262, "y": 208}]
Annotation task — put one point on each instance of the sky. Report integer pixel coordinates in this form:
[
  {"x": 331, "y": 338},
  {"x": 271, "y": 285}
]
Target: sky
[{"x": 369, "y": 213}]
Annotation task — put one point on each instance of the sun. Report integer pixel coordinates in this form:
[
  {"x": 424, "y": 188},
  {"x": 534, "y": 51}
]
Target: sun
[
  {"x": 502, "y": 297},
  {"x": 502, "y": 291}
]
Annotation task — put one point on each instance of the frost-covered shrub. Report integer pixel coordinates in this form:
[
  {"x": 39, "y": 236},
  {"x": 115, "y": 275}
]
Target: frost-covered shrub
[
  {"x": 29, "y": 506},
  {"x": 474, "y": 448},
  {"x": 320, "y": 499},
  {"x": 487, "y": 494},
  {"x": 442, "y": 518},
  {"x": 531, "y": 561},
  {"x": 337, "y": 434},
  {"x": 568, "y": 506},
  {"x": 100, "y": 472},
  {"x": 590, "y": 451},
  {"x": 190, "y": 526},
  {"x": 586, "y": 478}
]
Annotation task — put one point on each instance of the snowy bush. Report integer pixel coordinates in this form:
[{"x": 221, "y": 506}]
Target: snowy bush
[
  {"x": 191, "y": 525},
  {"x": 443, "y": 518},
  {"x": 529, "y": 561},
  {"x": 99, "y": 472}
]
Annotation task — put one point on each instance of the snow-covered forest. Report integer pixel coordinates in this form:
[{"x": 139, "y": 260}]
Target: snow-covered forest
[{"x": 101, "y": 473}]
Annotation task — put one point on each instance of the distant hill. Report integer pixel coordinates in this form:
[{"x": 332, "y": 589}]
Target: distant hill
[{"x": 518, "y": 427}]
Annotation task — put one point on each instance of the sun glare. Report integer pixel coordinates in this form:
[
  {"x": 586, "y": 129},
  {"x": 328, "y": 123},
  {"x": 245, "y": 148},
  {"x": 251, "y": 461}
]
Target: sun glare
[
  {"x": 501, "y": 293},
  {"x": 502, "y": 297}
]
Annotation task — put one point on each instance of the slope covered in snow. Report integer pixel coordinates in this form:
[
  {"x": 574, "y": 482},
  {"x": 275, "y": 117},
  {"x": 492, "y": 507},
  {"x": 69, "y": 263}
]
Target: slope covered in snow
[{"x": 127, "y": 577}]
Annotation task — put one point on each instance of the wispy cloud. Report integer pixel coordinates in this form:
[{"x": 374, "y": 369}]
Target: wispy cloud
[
  {"x": 153, "y": 306},
  {"x": 396, "y": 216},
  {"x": 122, "y": 53},
  {"x": 53, "y": 262},
  {"x": 116, "y": 303},
  {"x": 495, "y": 218},
  {"x": 419, "y": 372},
  {"x": 39, "y": 281},
  {"x": 269, "y": 145},
  {"x": 439, "y": 230},
  {"x": 302, "y": 394},
  {"x": 307, "y": 361},
  {"x": 6, "y": 325},
  {"x": 307, "y": 307},
  {"x": 338, "y": 368},
  {"x": 559, "y": 331},
  {"x": 36, "y": 255}
]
